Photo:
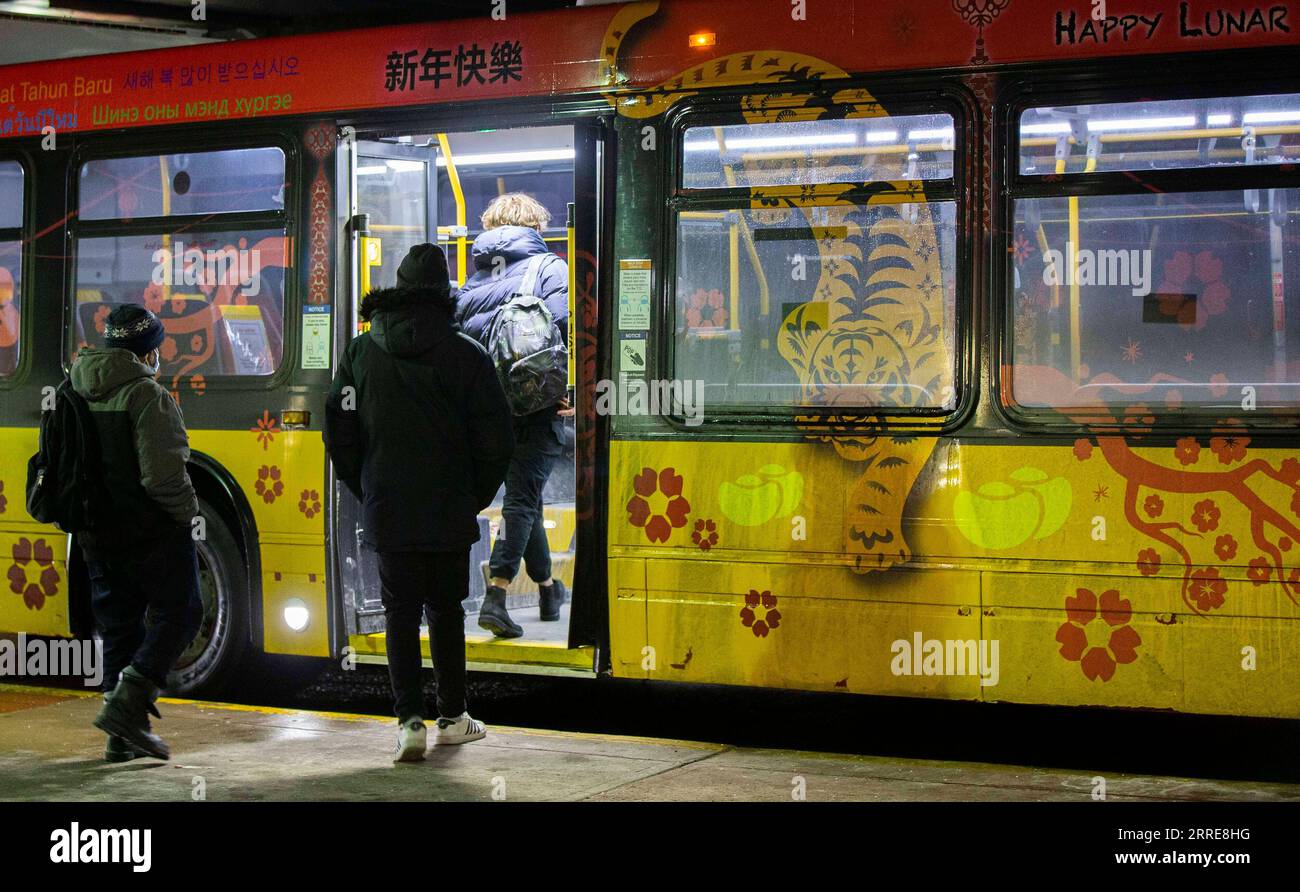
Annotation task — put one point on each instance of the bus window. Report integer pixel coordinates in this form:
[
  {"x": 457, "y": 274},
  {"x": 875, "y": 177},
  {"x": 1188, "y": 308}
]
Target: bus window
[
  {"x": 849, "y": 150},
  {"x": 11, "y": 266},
  {"x": 833, "y": 300},
  {"x": 219, "y": 290},
  {"x": 1195, "y": 133},
  {"x": 221, "y": 182},
  {"x": 1174, "y": 302}
]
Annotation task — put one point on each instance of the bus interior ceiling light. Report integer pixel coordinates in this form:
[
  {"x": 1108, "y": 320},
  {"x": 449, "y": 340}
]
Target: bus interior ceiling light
[
  {"x": 510, "y": 157},
  {"x": 775, "y": 142}
]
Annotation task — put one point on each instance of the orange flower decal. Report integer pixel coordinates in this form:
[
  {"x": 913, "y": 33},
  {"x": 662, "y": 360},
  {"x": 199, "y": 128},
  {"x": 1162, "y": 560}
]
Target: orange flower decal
[
  {"x": 704, "y": 309},
  {"x": 309, "y": 503},
  {"x": 1207, "y": 589},
  {"x": 269, "y": 485},
  {"x": 1082, "y": 449},
  {"x": 32, "y": 573},
  {"x": 665, "y": 487},
  {"x": 1201, "y": 276},
  {"x": 705, "y": 534},
  {"x": 749, "y": 618},
  {"x": 1112, "y": 642},
  {"x": 266, "y": 429},
  {"x": 1225, "y": 547}
]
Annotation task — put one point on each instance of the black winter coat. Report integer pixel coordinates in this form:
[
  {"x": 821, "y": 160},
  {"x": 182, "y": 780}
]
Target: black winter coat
[{"x": 424, "y": 438}]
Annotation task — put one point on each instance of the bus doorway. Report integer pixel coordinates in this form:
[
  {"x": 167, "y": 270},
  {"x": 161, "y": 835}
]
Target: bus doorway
[{"x": 429, "y": 186}]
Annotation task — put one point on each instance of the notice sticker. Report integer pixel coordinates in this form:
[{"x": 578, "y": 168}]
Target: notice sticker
[
  {"x": 316, "y": 337},
  {"x": 634, "y": 279},
  {"x": 631, "y": 355}
]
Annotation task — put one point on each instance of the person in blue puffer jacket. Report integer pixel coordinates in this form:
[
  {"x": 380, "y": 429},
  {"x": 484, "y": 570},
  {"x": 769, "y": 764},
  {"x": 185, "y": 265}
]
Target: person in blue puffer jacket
[{"x": 513, "y": 225}]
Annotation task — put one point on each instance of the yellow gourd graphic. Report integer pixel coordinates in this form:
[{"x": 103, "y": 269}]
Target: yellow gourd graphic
[
  {"x": 1005, "y": 514},
  {"x": 754, "y": 499}
]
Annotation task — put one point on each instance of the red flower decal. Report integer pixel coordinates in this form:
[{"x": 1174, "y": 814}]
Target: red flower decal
[
  {"x": 1112, "y": 642},
  {"x": 1229, "y": 449},
  {"x": 1153, "y": 505},
  {"x": 32, "y": 573},
  {"x": 1082, "y": 449},
  {"x": 269, "y": 485},
  {"x": 1259, "y": 571},
  {"x": 667, "y": 484},
  {"x": 757, "y": 601},
  {"x": 309, "y": 503},
  {"x": 1290, "y": 470},
  {"x": 705, "y": 534},
  {"x": 1207, "y": 589},
  {"x": 1205, "y": 515},
  {"x": 1225, "y": 547},
  {"x": 1148, "y": 562},
  {"x": 1187, "y": 450}
]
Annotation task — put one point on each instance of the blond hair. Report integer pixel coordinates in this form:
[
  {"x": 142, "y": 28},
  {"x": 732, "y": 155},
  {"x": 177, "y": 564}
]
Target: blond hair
[{"x": 515, "y": 209}]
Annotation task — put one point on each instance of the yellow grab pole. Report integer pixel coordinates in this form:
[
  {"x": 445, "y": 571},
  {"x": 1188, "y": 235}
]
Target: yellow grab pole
[{"x": 459, "y": 195}]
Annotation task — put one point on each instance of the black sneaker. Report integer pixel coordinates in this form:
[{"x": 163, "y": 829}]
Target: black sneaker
[
  {"x": 551, "y": 600},
  {"x": 494, "y": 616}
]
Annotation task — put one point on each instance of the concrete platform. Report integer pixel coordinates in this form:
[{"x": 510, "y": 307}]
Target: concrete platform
[{"x": 50, "y": 752}]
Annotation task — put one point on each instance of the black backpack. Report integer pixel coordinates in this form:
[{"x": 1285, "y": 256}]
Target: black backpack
[
  {"x": 64, "y": 486},
  {"x": 527, "y": 348}
]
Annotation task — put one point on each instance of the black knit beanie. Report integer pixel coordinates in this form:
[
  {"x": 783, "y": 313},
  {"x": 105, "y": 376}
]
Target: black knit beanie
[{"x": 133, "y": 328}]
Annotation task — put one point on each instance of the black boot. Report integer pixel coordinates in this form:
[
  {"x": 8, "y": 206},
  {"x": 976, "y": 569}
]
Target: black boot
[
  {"x": 118, "y": 749},
  {"x": 494, "y": 617},
  {"x": 552, "y": 598},
  {"x": 126, "y": 714}
]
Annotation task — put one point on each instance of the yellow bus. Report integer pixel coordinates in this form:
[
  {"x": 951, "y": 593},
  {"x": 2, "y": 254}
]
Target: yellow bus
[{"x": 943, "y": 350}]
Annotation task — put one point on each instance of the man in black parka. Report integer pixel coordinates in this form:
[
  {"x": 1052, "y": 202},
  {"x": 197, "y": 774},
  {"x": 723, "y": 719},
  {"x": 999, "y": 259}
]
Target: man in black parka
[{"x": 420, "y": 431}]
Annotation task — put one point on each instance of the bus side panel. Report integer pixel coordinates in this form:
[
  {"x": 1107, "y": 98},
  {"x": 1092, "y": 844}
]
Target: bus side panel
[
  {"x": 33, "y": 557},
  {"x": 282, "y": 477}
]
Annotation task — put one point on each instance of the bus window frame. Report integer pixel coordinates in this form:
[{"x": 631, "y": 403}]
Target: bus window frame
[
  {"x": 204, "y": 139},
  {"x": 1095, "y": 82},
  {"x": 26, "y": 261},
  {"x": 904, "y": 94}
]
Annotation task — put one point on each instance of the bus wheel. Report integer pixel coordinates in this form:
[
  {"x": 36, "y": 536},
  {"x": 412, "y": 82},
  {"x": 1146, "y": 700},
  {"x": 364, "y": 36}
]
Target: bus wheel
[{"x": 212, "y": 660}]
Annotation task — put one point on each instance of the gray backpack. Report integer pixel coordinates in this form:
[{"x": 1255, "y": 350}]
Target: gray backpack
[{"x": 526, "y": 346}]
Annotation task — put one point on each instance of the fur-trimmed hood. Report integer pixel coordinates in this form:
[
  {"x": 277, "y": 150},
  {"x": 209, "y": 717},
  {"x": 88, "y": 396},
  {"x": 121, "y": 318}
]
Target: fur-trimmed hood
[{"x": 407, "y": 322}]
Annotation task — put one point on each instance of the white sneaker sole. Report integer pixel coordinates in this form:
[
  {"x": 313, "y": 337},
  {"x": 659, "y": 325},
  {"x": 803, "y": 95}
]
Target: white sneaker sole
[
  {"x": 409, "y": 754},
  {"x": 459, "y": 739}
]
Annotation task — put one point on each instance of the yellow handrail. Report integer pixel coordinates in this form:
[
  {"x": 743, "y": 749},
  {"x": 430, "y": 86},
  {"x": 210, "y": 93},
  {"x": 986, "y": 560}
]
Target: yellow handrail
[{"x": 454, "y": 178}]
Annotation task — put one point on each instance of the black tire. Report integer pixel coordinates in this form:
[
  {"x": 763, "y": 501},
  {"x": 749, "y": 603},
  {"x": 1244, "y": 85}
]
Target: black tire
[{"x": 213, "y": 660}]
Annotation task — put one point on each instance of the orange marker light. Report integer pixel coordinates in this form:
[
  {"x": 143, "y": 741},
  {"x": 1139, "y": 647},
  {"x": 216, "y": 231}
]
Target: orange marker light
[{"x": 704, "y": 38}]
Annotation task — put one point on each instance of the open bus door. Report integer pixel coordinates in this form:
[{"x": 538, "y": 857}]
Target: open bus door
[{"x": 408, "y": 189}]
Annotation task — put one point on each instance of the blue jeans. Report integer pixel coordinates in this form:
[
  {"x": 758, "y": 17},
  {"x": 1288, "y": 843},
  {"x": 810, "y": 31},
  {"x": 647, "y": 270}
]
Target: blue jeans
[
  {"x": 523, "y": 530},
  {"x": 161, "y": 584}
]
